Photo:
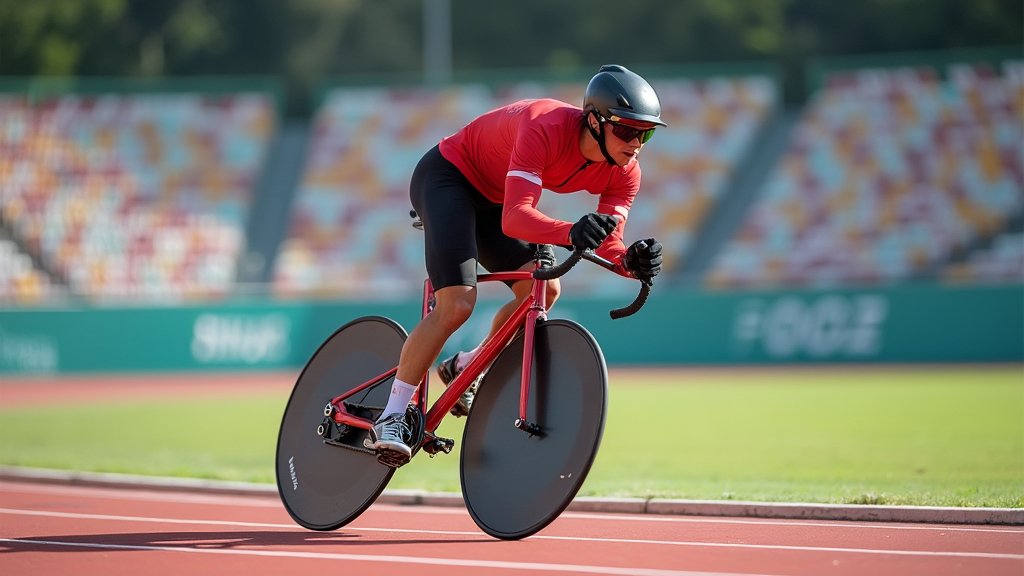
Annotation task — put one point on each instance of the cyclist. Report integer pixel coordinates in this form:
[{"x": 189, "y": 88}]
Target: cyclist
[{"x": 477, "y": 193}]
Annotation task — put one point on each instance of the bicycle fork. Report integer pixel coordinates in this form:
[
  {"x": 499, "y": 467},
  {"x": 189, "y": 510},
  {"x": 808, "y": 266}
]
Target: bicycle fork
[{"x": 537, "y": 311}]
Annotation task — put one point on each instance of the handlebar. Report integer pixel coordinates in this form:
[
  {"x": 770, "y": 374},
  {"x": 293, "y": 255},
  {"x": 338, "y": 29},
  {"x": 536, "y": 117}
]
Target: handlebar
[
  {"x": 558, "y": 270},
  {"x": 638, "y": 302},
  {"x": 552, "y": 272}
]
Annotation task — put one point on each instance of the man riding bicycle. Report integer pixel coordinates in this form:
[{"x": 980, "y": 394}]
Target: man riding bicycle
[{"x": 477, "y": 193}]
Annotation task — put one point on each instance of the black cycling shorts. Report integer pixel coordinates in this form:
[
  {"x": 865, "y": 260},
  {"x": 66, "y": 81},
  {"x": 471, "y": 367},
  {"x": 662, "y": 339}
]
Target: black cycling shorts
[{"x": 462, "y": 227}]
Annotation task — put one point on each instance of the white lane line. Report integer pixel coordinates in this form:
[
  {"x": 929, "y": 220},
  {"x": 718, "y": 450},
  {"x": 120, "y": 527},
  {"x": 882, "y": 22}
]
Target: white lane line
[
  {"x": 944, "y": 554},
  {"x": 145, "y": 496},
  {"x": 268, "y": 502},
  {"x": 771, "y": 522},
  {"x": 149, "y": 519},
  {"x": 516, "y": 566}
]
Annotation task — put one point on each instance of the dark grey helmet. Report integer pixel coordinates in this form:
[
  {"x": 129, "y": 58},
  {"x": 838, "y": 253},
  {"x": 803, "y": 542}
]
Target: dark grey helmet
[{"x": 616, "y": 93}]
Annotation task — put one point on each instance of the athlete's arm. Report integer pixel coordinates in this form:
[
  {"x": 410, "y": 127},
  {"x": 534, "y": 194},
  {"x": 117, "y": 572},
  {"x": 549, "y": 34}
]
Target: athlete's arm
[
  {"x": 520, "y": 217},
  {"x": 613, "y": 248}
]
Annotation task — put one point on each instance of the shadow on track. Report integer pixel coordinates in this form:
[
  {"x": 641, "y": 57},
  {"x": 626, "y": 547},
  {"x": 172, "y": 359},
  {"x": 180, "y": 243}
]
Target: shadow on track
[{"x": 134, "y": 542}]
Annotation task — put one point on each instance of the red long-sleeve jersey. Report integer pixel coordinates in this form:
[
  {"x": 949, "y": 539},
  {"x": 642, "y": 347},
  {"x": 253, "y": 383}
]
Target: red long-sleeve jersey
[{"x": 511, "y": 153}]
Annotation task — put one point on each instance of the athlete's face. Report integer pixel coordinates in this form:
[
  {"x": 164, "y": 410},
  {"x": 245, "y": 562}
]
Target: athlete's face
[{"x": 625, "y": 141}]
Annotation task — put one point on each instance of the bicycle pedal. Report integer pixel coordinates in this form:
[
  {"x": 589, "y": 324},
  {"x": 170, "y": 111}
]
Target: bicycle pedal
[
  {"x": 438, "y": 445},
  {"x": 392, "y": 459}
]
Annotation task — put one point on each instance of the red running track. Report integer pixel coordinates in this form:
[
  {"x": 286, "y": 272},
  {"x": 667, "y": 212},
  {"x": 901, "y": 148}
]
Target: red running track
[{"x": 55, "y": 529}]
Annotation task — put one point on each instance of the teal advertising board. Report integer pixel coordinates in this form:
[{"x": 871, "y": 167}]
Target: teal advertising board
[{"x": 909, "y": 324}]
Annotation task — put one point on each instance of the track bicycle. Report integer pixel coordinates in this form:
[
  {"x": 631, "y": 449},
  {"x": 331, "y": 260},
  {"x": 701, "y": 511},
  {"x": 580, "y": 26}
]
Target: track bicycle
[{"x": 529, "y": 441}]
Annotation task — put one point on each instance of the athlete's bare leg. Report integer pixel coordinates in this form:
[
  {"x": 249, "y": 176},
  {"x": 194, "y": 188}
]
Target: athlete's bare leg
[{"x": 453, "y": 306}]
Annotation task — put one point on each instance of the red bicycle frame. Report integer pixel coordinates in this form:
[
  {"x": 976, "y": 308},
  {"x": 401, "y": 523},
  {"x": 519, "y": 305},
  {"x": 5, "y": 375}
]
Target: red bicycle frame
[{"x": 532, "y": 308}]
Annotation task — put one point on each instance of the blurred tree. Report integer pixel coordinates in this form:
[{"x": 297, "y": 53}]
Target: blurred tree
[
  {"x": 306, "y": 40},
  {"x": 902, "y": 25},
  {"x": 53, "y": 37},
  {"x": 122, "y": 37},
  {"x": 381, "y": 37}
]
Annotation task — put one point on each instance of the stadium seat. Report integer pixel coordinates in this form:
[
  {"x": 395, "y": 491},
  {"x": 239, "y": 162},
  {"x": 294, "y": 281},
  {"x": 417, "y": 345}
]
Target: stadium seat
[
  {"x": 20, "y": 281},
  {"x": 1002, "y": 261}
]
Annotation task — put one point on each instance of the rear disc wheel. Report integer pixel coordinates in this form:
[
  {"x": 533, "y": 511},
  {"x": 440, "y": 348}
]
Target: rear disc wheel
[{"x": 322, "y": 486}]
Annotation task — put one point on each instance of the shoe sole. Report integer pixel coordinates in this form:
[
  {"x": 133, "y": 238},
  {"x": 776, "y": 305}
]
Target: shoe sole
[
  {"x": 392, "y": 459},
  {"x": 389, "y": 454},
  {"x": 391, "y": 447}
]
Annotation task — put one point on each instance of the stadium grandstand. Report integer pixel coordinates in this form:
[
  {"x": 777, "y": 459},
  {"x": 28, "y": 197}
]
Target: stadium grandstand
[
  {"x": 887, "y": 174},
  {"x": 117, "y": 195},
  {"x": 892, "y": 175}
]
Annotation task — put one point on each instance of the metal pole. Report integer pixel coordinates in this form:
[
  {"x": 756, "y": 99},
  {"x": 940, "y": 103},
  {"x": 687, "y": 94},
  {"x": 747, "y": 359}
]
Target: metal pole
[{"x": 437, "y": 41}]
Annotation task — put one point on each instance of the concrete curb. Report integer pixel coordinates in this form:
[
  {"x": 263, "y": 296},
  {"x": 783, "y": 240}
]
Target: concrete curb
[{"x": 654, "y": 506}]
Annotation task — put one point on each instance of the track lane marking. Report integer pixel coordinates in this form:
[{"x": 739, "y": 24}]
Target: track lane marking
[
  {"x": 784, "y": 522},
  {"x": 145, "y": 495},
  {"x": 943, "y": 554},
  {"x": 420, "y": 560},
  {"x": 267, "y": 502}
]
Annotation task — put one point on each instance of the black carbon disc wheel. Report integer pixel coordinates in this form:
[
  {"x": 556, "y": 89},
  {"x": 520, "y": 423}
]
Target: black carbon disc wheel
[
  {"x": 324, "y": 487},
  {"x": 515, "y": 484}
]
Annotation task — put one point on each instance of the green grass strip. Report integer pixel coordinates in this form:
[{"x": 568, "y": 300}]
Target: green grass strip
[{"x": 922, "y": 437}]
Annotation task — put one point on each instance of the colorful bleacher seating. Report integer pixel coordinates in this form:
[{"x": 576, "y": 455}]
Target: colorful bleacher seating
[
  {"x": 888, "y": 173},
  {"x": 133, "y": 195},
  {"x": 1003, "y": 261},
  {"x": 20, "y": 281},
  {"x": 350, "y": 235}
]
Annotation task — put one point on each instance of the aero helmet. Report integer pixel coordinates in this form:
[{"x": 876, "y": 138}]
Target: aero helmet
[{"x": 616, "y": 93}]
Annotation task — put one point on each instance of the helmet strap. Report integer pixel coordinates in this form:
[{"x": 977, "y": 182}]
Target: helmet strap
[{"x": 599, "y": 135}]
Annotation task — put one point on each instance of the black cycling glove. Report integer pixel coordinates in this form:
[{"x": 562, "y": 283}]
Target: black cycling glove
[
  {"x": 591, "y": 230},
  {"x": 643, "y": 258}
]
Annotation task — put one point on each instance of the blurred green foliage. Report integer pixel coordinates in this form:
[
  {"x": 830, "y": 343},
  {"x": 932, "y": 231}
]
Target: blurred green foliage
[{"x": 306, "y": 40}]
